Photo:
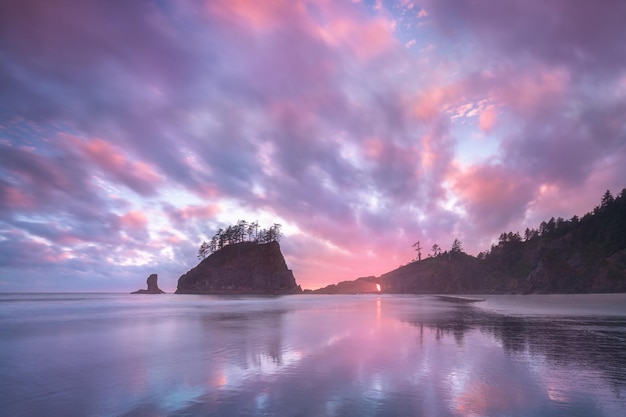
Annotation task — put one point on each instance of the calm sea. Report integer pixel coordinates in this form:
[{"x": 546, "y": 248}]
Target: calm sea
[{"x": 361, "y": 355}]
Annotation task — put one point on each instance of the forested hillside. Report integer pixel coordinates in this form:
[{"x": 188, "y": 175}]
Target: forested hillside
[{"x": 578, "y": 255}]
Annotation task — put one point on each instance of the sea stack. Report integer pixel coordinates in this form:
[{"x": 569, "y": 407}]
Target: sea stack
[
  {"x": 153, "y": 287},
  {"x": 241, "y": 268}
]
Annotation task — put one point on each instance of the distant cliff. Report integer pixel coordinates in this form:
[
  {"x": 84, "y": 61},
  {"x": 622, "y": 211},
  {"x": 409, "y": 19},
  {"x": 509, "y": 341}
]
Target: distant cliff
[
  {"x": 241, "y": 268},
  {"x": 362, "y": 285}
]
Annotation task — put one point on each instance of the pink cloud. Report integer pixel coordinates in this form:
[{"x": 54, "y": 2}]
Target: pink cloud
[
  {"x": 487, "y": 119},
  {"x": 39, "y": 180},
  {"x": 174, "y": 240},
  {"x": 206, "y": 191},
  {"x": 137, "y": 175},
  {"x": 533, "y": 90},
  {"x": 66, "y": 237},
  {"x": 493, "y": 196},
  {"x": 264, "y": 15},
  {"x": 30, "y": 168},
  {"x": 337, "y": 24},
  {"x": 16, "y": 199},
  {"x": 189, "y": 214},
  {"x": 134, "y": 220},
  {"x": 56, "y": 257},
  {"x": 199, "y": 212},
  {"x": 430, "y": 103},
  {"x": 366, "y": 39}
]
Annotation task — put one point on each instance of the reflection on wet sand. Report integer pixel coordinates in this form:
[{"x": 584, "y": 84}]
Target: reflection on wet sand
[
  {"x": 372, "y": 355},
  {"x": 568, "y": 358},
  {"x": 596, "y": 343},
  {"x": 435, "y": 360}
]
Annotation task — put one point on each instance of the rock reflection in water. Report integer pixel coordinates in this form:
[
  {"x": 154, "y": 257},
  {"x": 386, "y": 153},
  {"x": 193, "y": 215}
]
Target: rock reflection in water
[
  {"x": 575, "y": 365},
  {"x": 596, "y": 343}
]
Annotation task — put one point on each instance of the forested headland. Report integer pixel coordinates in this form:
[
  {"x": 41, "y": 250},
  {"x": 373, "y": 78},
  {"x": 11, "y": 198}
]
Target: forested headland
[{"x": 578, "y": 255}]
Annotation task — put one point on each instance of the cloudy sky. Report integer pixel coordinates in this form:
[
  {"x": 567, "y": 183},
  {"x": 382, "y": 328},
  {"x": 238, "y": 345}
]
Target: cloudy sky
[{"x": 131, "y": 130}]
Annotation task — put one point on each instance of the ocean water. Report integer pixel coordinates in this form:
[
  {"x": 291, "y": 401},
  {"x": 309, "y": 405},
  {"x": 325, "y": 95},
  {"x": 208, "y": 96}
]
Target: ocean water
[{"x": 311, "y": 355}]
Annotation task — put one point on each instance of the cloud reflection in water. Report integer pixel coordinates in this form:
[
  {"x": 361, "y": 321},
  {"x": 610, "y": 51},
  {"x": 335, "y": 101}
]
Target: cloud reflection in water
[{"x": 310, "y": 356}]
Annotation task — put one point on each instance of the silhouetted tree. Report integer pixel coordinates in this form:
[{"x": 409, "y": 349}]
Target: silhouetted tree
[
  {"x": 606, "y": 201},
  {"x": 278, "y": 231},
  {"x": 436, "y": 250},
  {"x": 274, "y": 234},
  {"x": 514, "y": 237},
  {"x": 240, "y": 232},
  {"x": 221, "y": 238},
  {"x": 457, "y": 247},
  {"x": 418, "y": 249},
  {"x": 204, "y": 250},
  {"x": 543, "y": 228},
  {"x": 528, "y": 234},
  {"x": 253, "y": 231}
]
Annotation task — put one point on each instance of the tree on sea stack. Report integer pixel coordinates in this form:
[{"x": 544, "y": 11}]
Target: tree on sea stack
[
  {"x": 204, "y": 250},
  {"x": 242, "y": 231}
]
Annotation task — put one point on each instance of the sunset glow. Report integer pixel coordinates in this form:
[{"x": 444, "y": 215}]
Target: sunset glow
[
  {"x": 378, "y": 287},
  {"x": 131, "y": 131}
]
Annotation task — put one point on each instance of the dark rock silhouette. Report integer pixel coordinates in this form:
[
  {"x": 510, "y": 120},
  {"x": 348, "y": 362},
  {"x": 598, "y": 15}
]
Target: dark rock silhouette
[
  {"x": 363, "y": 285},
  {"x": 241, "y": 268},
  {"x": 153, "y": 287}
]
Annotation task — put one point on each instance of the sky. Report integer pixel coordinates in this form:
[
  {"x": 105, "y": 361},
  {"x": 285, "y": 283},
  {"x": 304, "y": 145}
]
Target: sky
[{"x": 130, "y": 131}]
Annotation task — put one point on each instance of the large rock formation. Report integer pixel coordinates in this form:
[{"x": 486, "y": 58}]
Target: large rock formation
[
  {"x": 153, "y": 287},
  {"x": 242, "y": 268}
]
